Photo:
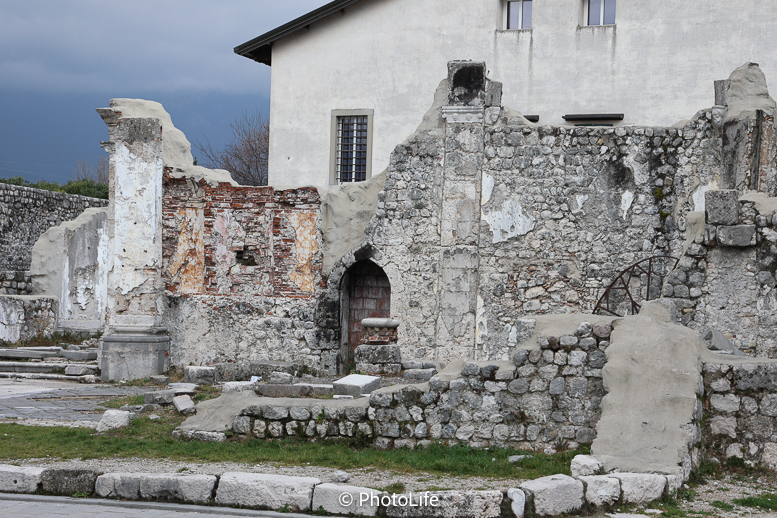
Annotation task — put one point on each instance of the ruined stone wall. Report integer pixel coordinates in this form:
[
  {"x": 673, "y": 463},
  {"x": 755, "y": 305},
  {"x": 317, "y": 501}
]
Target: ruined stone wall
[
  {"x": 24, "y": 317},
  {"x": 242, "y": 270},
  {"x": 547, "y": 398},
  {"x": 489, "y": 224},
  {"x": 27, "y": 213},
  {"x": 15, "y": 283},
  {"x": 740, "y": 409}
]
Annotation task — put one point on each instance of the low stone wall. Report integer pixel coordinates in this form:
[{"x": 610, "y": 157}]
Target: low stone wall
[
  {"x": 740, "y": 405},
  {"x": 27, "y": 213},
  {"x": 15, "y": 283},
  {"x": 23, "y": 317},
  {"x": 545, "y": 399},
  {"x": 547, "y": 496}
]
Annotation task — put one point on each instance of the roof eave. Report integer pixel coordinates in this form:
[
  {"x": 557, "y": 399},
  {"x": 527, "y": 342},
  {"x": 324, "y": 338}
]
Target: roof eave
[{"x": 260, "y": 48}]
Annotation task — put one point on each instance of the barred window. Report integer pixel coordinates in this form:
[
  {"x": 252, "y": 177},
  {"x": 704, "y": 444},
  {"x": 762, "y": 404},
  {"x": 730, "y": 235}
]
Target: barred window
[
  {"x": 352, "y": 148},
  {"x": 351, "y": 151}
]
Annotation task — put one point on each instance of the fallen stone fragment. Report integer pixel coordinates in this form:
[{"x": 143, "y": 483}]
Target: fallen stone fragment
[
  {"x": 14, "y": 479},
  {"x": 350, "y": 500},
  {"x": 159, "y": 397},
  {"x": 280, "y": 378},
  {"x": 584, "y": 465},
  {"x": 184, "y": 405},
  {"x": 113, "y": 419},
  {"x": 517, "y": 502},
  {"x": 89, "y": 379},
  {"x": 238, "y": 386},
  {"x": 78, "y": 370},
  {"x": 266, "y": 491},
  {"x": 159, "y": 380},
  {"x": 341, "y": 477},
  {"x": 356, "y": 384},
  {"x": 179, "y": 389},
  {"x": 199, "y": 375},
  {"x": 512, "y": 459},
  {"x": 554, "y": 495}
]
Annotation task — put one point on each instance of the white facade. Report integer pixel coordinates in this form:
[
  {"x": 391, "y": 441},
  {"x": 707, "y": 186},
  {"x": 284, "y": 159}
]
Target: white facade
[{"x": 656, "y": 66}]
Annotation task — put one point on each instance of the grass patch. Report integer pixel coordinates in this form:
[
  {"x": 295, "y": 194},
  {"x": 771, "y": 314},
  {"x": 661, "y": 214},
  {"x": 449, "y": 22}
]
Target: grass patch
[
  {"x": 206, "y": 392},
  {"x": 669, "y": 507},
  {"x": 723, "y": 506},
  {"x": 396, "y": 487},
  {"x": 120, "y": 402},
  {"x": 153, "y": 439},
  {"x": 765, "y": 501}
]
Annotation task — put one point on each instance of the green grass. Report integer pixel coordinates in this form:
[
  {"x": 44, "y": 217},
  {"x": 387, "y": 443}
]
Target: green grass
[
  {"x": 153, "y": 439},
  {"x": 723, "y": 506},
  {"x": 765, "y": 501},
  {"x": 120, "y": 402},
  {"x": 396, "y": 487}
]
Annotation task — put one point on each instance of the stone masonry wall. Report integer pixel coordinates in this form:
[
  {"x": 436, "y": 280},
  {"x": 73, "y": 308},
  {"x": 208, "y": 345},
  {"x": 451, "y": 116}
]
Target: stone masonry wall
[
  {"x": 740, "y": 406},
  {"x": 242, "y": 269},
  {"x": 546, "y": 398},
  {"x": 27, "y": 213},
  {"x": 15, "y": 283}
]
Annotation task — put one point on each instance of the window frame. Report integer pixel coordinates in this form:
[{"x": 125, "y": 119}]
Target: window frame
[
  {"x": 587, "y": 14},
  {"x": 506, "y": 15},
  {"x": 334, "y": 174}
]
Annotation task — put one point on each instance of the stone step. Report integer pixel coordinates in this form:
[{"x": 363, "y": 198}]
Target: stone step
[
  {"x": 17, "y": 354},
  {"x": 296, "y": 390},
  {"x": 38, "y": 376},
  {"x": 32, "y": 367}
]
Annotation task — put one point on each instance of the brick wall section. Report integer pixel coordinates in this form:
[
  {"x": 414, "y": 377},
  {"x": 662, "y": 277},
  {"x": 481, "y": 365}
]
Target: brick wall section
[
  {"x": 25, "y": 214},
  {"x": 242, "y": 270}
]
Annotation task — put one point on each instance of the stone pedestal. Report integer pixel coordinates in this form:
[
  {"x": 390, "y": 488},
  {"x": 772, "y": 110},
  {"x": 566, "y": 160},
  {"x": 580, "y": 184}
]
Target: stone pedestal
[{"x": 134, "y": 353}]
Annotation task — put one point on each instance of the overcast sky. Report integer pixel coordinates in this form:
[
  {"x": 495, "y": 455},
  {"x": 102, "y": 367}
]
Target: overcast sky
[{"x": 61, "y": 59}]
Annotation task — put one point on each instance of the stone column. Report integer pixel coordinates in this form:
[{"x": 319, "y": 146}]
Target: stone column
[
  {"x": 134, "y": 344},
  {"x": 460, "y": 221}
]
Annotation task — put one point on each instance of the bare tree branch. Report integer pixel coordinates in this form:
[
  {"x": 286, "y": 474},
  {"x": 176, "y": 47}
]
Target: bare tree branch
[
  {"x": 245, "y": 157},
  {"x": 83, "y": 170}
]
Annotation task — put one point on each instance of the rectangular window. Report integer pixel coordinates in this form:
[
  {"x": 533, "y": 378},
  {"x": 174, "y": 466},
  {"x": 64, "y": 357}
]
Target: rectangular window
[
  {"x": 351, "y": 146},
  {"x": 601, "y": 12},
  {"x": 518, "y": 14}
]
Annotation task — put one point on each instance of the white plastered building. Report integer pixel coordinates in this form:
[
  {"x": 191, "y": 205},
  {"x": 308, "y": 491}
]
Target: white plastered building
[{"x": 353, "y": 79}]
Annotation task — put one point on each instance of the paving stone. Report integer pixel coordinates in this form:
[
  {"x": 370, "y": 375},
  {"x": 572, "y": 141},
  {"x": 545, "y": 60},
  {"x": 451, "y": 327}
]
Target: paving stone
[
  {"x": 118, "y": 485},
  {"x": 14, "y": 479},
  {"x": 194, "y": 489},
  {"x": 68, "y": 482},
  {"x": 639, "y": 488},
  {"x": 554, "y": 495},
  {"x": 363, "y": 501},
  {"x": 266, "y": 491},
  {"x": 483, "y": 504},
  {"x": 601, "y": 490}
]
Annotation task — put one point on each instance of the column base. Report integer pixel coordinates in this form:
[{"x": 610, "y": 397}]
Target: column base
[{"x": 134, "y": 353}]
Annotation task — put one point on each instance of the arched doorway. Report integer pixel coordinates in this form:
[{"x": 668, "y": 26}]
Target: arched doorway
[{"x": 365, "y": 292}]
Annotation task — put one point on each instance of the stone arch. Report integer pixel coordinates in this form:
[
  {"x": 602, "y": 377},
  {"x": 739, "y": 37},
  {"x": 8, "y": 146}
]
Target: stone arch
[{"x": 365, "y": 292}]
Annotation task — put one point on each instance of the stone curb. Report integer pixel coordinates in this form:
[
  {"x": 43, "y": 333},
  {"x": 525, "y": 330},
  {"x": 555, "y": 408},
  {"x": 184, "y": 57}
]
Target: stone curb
[{"x": 546, "y": 496}]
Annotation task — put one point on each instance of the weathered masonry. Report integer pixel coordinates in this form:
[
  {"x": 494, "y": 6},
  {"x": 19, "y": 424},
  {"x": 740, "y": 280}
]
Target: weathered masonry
[{"x": 482, "y": 221}]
